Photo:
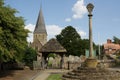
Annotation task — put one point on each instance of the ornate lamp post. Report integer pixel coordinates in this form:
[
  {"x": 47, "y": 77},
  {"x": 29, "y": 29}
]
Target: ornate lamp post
[{"x": 91, "y": 62}]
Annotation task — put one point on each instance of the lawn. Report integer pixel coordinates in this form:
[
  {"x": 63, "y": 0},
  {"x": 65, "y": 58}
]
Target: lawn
[{"x": 54, "y": 77}]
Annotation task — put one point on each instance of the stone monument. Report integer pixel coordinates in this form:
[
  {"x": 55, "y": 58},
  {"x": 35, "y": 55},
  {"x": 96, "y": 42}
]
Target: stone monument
[{"x": 89, "y": 71}]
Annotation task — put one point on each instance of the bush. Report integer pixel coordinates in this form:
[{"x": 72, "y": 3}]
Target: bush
[{"x": 29, "y": 57}]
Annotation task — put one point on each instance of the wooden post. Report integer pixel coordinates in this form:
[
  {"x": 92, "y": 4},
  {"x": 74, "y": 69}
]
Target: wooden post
[
  {"x": 61, "y": 61},
  {"x": 43, "y": 62}
]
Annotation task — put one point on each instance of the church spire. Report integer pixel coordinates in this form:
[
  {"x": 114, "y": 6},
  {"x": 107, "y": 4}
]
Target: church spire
[
  {"x": 40, "y": 33},
  {"x": 40, "y": 25}
]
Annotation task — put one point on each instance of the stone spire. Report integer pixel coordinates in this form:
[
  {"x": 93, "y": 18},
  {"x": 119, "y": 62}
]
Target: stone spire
[
  {"x": 40, "y": 25},
  {"x": 40, "y": 32}
]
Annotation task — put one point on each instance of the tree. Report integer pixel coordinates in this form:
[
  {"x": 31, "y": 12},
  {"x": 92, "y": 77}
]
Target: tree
[
  {"x": 116, "y": 40},
  {"x": 12, "y": 34},
  {"x": 85, "y": 43},
  {"x": 70, "y": 39},
  {"x": 30, "y": 56}
]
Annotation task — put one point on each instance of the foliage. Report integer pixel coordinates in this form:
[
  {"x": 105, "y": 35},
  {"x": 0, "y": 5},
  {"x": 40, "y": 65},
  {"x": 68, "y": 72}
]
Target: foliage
[
  {"x": 70, "y": 39},
  {"x": 101, "y": 50},
  {"x": 52, "y": 55},
  {"x": 116, "y": 40},
  {"x": 49, "y": 64},
  {"x": 12, "y": 34},
  {"x": 85, "y": 43},
  {"x": 55, "y": 77},
  {"x": 72, "y": 42},
  {"x": 29, "y": 56}
]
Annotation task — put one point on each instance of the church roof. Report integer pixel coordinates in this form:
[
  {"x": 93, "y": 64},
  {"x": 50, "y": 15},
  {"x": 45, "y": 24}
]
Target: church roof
[
  {"x": 53, "y": 46},
  {"x": 40, "y": 25}
]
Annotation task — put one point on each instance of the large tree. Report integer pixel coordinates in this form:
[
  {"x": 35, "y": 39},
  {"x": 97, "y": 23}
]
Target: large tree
[
  {"x": 12, "y": 34},
  {"x": 70, "y": 39},
  {"x": 116, "y": 40}
]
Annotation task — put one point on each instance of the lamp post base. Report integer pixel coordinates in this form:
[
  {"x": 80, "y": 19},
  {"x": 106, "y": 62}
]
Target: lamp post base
[{"x": 91, "y": 63}]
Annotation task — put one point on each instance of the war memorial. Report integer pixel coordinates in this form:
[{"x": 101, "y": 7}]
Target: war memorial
[{"x": 90, "y": 71}]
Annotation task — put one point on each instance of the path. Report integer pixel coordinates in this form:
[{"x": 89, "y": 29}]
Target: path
[
  {"x": 18, "y": 74},
  {"x": 44, "y": 74}
]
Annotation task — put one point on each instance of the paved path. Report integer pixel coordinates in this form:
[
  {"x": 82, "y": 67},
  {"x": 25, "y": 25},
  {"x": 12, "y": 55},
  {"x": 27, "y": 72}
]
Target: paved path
[
  {"x": 44, "y": 74},
  {"x": 18, "y": 74}
]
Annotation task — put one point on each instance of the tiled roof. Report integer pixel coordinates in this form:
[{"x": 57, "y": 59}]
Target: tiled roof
[{"x": 112, "y": 46}]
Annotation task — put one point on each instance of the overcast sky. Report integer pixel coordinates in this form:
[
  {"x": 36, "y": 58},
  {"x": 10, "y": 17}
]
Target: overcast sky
[{"x": 60, "y": 13}]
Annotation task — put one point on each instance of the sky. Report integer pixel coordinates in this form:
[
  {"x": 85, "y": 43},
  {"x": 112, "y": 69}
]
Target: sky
[{"x": 61, "y": 13}]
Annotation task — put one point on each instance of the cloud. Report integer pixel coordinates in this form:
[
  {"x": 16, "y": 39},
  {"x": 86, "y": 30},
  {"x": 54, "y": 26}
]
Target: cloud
[
  {"x": 30, "y": 27},
  {"x": 82, "y": 34},
  {"x": 68, "y": 19},
  {"x": 52, "y": 30},
  {"x": 79, "y": 9}
]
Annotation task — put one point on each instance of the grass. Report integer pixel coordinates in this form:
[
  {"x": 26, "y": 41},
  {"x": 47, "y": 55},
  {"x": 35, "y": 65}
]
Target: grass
[{"x": 54, "y": 77}]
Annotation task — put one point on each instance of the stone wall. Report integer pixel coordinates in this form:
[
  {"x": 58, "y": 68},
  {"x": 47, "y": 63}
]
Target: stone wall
[{"x": 71, "y": 65}]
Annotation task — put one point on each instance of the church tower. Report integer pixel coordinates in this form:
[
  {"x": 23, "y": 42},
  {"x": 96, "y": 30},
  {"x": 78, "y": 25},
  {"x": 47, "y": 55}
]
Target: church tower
[
  {"x": 39, "y": 35},
  {"x": 40, "y": 32}
]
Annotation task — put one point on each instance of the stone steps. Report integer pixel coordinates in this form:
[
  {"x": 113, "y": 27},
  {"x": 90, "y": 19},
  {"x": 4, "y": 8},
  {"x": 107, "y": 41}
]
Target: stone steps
[{"x": 91, "y": 74}]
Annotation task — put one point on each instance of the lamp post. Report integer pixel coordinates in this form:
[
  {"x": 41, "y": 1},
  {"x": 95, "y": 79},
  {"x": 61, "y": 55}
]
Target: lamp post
[
  {"x": 90, "y": 62},
  {"x": 90, "y": 8}
]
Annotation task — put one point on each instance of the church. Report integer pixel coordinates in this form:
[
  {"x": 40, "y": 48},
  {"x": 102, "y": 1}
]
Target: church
[
  {"x": 39, "y": 35},
  {"x": 41, "y": 45}
]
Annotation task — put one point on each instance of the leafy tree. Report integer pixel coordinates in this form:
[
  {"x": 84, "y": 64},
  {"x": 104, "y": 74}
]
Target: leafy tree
[
  {"x": 85, "y": 43},
  {"x": 72, "y": 42},
  {"x": 99, "y": 48},
  {"x": 52, "y": 55},
  {"x": 116, "y": 40},
  {"x": 30, "y": 56},
  {"x": 12, "y": 34},
  {"x": 70, "y": 39}
]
